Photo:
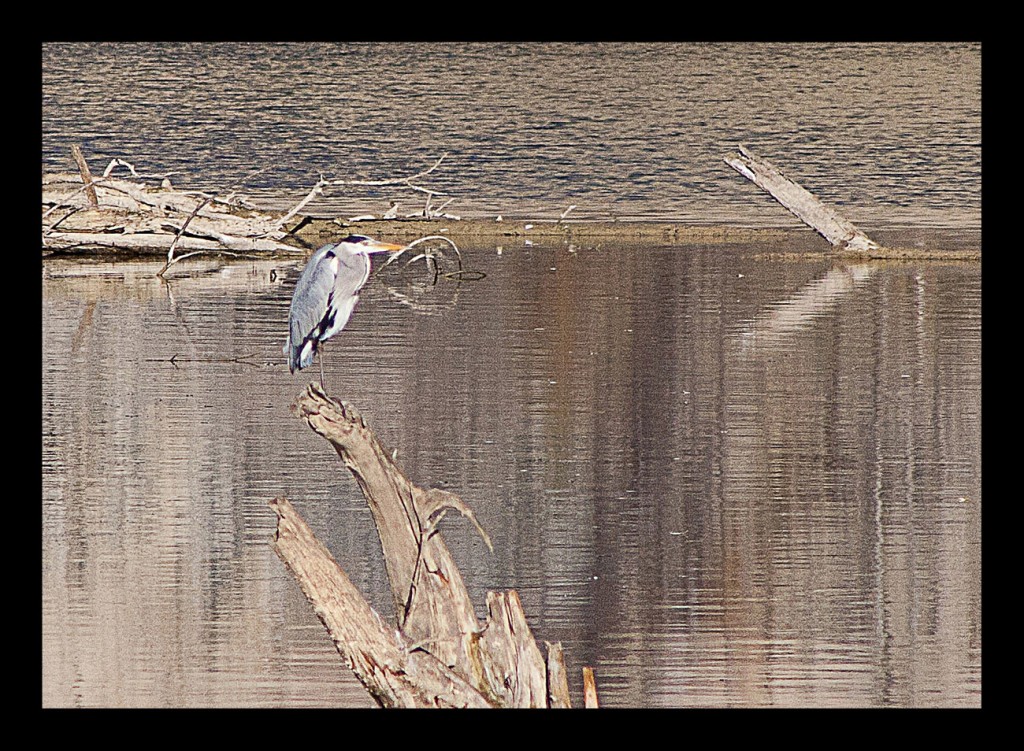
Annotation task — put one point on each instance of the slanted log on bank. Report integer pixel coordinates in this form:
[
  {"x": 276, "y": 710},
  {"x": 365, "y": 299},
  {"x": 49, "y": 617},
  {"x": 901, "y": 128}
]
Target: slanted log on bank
[
  {"x": 439, "y": 654},
  {"x": 839, "y": 231}
]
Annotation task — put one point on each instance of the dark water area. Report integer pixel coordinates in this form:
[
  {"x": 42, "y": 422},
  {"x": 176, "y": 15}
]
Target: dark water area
[{"x": 717, "y": 477}]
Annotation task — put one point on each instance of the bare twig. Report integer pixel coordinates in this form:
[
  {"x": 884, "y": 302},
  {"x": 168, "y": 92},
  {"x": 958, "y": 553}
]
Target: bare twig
[
  {"x": 161, "y": 272},
  {"x": 440, "y": 208},
  {"x": 427, "y": 213},
  {"x": 391, "y": 180},
  {"x": 220, "y": 237},
  {"x": 417, "y": 241},
  {"x": 174, "y": 242},
  {"x": 73, "y": 210},
  {"x": 316, "y": 190},
  {"x": 59, "y": 205},
  {"x": 240, "y": 360},
  {"x": 116, "y": 162},
  {"x": 322, "y": 183}
]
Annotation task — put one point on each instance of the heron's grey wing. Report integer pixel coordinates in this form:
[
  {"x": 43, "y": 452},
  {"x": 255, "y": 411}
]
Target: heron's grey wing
[{"x": 310, "y": 306}]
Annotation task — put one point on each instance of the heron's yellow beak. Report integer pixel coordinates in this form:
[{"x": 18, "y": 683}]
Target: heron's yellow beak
[{"x": 379, "y": 247}]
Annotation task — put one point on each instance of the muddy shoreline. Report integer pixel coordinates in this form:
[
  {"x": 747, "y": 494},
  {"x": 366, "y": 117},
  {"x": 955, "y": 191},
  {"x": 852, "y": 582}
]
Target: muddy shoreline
[{"x": 779, "y": 242}]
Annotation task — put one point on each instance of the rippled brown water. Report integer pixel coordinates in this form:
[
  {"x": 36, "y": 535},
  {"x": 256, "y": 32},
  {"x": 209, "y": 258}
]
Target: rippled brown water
[
  {"x": 890, "y": 132},
  {"x": 717, "y": 478}
]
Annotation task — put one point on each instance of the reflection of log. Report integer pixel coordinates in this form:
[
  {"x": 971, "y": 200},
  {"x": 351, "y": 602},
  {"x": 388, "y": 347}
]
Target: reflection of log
[
  {"x": 826, "y": 221},
  {"x": 815, "y": 300},
  {"x": 440, "y": 655}
]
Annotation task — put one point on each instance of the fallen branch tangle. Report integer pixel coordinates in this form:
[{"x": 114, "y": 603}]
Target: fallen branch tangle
[
  {"x": 440, "y": 655},
  {"x": 133, "y": 215},
  {"x": 111, "y": 212}
]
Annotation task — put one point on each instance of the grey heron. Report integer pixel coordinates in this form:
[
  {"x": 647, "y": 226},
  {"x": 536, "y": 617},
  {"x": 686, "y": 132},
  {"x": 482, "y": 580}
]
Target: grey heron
[{"x": 325, "y": 295}]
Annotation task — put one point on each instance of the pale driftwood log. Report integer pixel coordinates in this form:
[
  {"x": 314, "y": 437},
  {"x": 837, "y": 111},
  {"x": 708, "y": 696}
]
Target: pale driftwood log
[
  {"x": 498, "y": 662},
  {"x": 124, "y": 220},
  {"x": 114, "y": 193},
  {"x": 162, "y": 241},
  {"x": 840, "y": 232},
  {"x": 136, "y": 216},
  {"x": 125, "y": 203}
]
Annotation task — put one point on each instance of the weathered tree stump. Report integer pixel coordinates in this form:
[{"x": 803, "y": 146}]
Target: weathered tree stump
[
  {"x": 381, "y": 658},
  {"x": 439, "y": 655}
]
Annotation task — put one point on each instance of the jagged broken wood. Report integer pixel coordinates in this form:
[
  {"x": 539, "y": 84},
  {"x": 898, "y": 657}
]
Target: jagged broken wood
[
  {"x": 83, "y": 168},
  {"x": 840, "y": 232},
  {"x": 439, "y": 655},
  {"x": 395, "y": 674},
  {"x": 589, "y": 689}
]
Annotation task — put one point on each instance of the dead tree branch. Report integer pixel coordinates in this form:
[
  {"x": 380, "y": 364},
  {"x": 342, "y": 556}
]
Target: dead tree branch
[
  {"x": 440, "y": 655},
  {"x": 83, "y": 167}
]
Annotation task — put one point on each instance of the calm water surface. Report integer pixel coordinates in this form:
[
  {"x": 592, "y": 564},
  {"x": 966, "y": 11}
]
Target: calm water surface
[{"x": 717, "y": 478}]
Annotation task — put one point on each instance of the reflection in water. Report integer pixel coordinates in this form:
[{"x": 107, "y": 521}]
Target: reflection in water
[
  {"x": 796, "y": 523},
  {"x": 819, "y": 298},
  {"x": 816, "y": 481}
]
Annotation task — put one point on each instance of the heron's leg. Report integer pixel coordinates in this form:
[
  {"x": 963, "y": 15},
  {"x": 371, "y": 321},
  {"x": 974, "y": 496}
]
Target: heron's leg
[{"x": 321, "y": 359}]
